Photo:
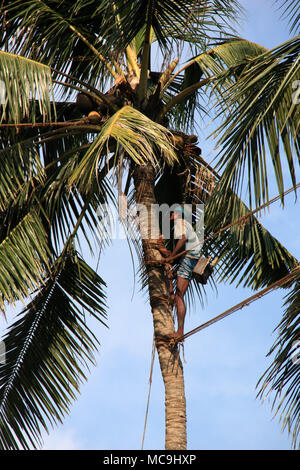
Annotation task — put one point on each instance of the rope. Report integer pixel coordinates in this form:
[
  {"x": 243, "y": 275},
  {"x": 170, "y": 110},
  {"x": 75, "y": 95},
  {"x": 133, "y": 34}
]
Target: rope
[
  {"x": 149, "y": 392},
  {"x": 242, "y": 304}
]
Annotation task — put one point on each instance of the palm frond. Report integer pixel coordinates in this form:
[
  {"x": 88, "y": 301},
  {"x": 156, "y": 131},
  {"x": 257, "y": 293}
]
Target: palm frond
[
  {"x": 19, "y": 165},
  {"x": 48, "y": 350},
  {"x": 173, "y": 20},
  {"x": 24, "y": 256},
  {"x": 139, "y": 137},
  {"x": 64, "y": 205},
  {"x": 248, "y": 253},
  {"x": 23, "y": 79},
  {"x": 64, "y": 35},
  {"x": 282, "y": 379},
  {"x": 35, "y": 172},
  {"x": 291, "y": 10},
  {"x": 264, "y": 115},
  {"x": 29, "y": 153},
  {"x": 230, "y": 54},
  {"x": 208, "y": 70}
]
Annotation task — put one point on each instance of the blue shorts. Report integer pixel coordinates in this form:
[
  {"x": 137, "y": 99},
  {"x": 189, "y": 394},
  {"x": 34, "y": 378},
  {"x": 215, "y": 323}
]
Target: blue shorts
[{"x": 186, "y": 267}]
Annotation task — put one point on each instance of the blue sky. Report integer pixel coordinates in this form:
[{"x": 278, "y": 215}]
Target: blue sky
[{"x": 223, "y": 362}]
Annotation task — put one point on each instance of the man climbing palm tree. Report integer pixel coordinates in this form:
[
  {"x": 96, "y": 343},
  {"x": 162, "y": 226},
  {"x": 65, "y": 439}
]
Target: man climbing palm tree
[
  {"x": 190, "y": 245},
  {"x": 58, "y": 165}
]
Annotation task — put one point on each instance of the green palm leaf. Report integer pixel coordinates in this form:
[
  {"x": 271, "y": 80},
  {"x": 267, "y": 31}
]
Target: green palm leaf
[
  {"x": 263, "y": 116},
  {"x": 21, "y": 80},
  {"x": 224, "y": 56},
  {"x": 64, "y": 35},
  {"x": 47, "y": 350},
  {"x": 23, "y": 259},
  {"x": 180, "y": 20},
  {"x": 248, "y": 253},
  {"x": 64, "y": 205},
  {"x": 208, "y": 70},
  {"x": 20, "y": 165},
  {"x": 282, "y": 378},
  {"x": 128, "y": 129},
  {"x": 291, "y": 10}
]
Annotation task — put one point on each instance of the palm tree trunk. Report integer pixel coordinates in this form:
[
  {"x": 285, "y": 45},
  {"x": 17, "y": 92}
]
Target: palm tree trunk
[{"x": 160, "y": 301}]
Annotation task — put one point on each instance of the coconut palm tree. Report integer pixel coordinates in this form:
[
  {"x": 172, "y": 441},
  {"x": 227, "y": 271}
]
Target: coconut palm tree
[{"x": 131, "y": 124}]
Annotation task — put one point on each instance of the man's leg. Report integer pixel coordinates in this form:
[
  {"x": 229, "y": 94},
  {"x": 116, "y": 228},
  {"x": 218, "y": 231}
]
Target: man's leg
[{"x": 181, "y": 287}]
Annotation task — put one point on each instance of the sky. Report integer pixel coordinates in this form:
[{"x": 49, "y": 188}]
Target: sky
[{"x": 223, "y": 363}]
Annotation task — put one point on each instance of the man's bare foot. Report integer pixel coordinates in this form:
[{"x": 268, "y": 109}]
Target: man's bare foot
[
  {"x": 172, "y": 336},
  {"x": 178, "y": 334}
]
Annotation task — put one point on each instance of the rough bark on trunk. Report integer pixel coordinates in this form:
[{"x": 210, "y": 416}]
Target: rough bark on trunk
[{"x": 160, "y": 301}]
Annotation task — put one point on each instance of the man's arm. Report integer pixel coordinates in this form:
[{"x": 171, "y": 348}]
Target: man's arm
[{"x": 178, "y": 247}]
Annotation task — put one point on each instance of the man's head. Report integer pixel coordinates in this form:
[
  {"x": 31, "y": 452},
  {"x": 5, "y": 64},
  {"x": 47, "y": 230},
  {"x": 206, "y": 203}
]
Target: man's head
[{"x": 177, "y": 213}]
